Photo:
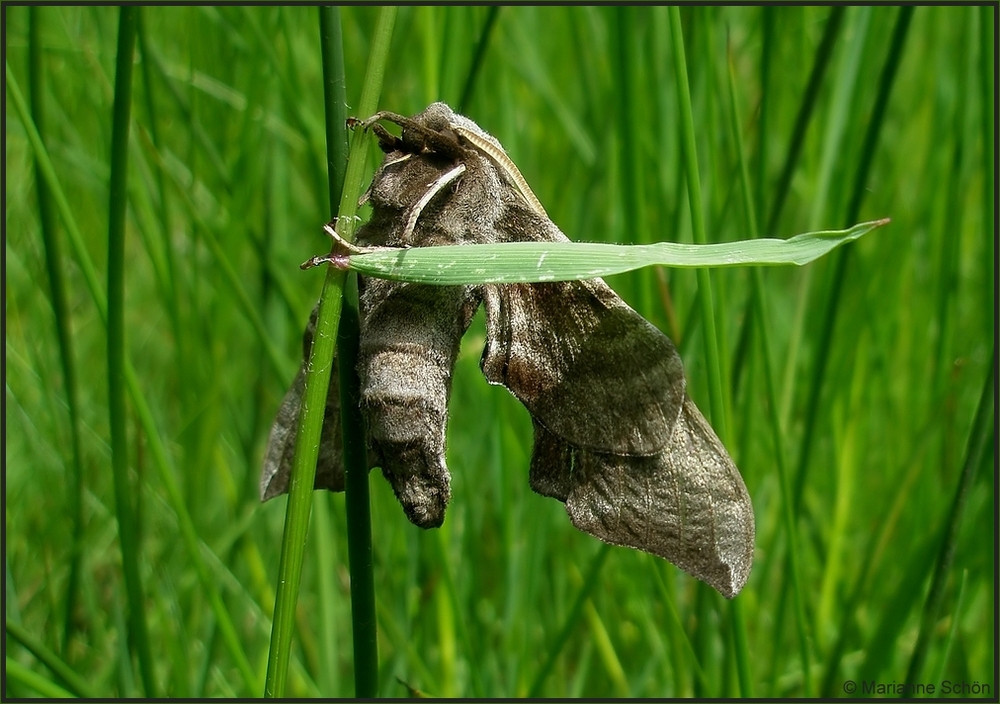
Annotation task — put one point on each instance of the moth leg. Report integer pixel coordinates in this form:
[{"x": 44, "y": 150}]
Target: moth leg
[
  {"x": 417, "y": 138},
  {"x": 387, "y": 141},
  {"x": 393, "y": 117},
  {"x": 435, "y": 188}
]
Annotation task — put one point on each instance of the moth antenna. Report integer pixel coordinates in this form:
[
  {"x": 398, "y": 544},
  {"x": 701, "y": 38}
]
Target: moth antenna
[
  {"x": 380, "y": 115},
  {"x": 504, "y": 162},
  {"x": 433, "y": 190}
]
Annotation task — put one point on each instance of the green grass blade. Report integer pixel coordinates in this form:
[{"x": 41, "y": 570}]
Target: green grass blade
[
  {"x": 679, "y": 635},
  {"x": 809, "y": 99},
  {"x": 62, "y": 204},
  {"x": 717, "y": 398},
  {"x": 761, "y": 313},
  {"x": 860, "y": 182},
  {"x": 29, "y": 678},
  {"x": 335, "y": 113},
  {"x": 78, "y": 686},
  {"x": 477, "y": 59},
  {"x": 606, "y": 650},
  {"x": 61, "y": 311},
  {"x": 980, "y": 438},
  {"x": 307, "y": 439},
  {"x": 535, "y": 262},
  {"x": 359, "y": 529},
  {"x": 128, "y": 526},
  {"x": 151, "y": 433},
  {"x": 572, "y": 621}
]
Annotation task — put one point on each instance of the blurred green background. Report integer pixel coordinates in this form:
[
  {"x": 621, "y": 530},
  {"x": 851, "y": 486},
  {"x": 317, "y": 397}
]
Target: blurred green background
[{"x": 880, "y": 351}]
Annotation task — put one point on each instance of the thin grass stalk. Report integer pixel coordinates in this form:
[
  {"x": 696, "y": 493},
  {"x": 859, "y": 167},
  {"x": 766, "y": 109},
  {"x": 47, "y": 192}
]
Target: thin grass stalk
[
  {"x": 171, "y": 290},
  {"x": 761, "y": 316},
  {"x": 829, "y": 317},
  {"x": 681, "y": 640},
  {"x": 156, "y": 447},
  {"x": 809, "y": 100},
  {"x": 768, "y": 13},
  {"x": 948, "y": 256},
  {"x": 359, "y": 530},
  {"x": 307, "y": 439},
  {"x": 987, "y": 98},
  {"x": 327, "y": 678},
  {"x": 477, "y": 59},
  {"x": 18, "y": 673},
  {"x": 953, "y": 631},
  {"x": 60, "y": 309},
  {"x": 124, "y": 509},
  {"x": 572, "y": 619},
  {"x": 449, "y": 606},
  {"x": 335, "y": 113},
  {"x": 77, "y": 685},
  {"x": 717, "y": 398},
  {"x": 606, "y": 650},
  {"x": 173, "y": 305},
  {"x": 445, "y": 608},
  {"x": 981, "y": 437},
  {"x": 802, "y": 120}
]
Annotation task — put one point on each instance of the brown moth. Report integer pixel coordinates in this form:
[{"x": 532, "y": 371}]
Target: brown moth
[{"x": 616, "y": 437}]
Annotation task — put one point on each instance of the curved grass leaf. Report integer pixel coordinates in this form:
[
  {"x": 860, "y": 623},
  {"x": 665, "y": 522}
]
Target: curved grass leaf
[{"x": 535, "y": 262}]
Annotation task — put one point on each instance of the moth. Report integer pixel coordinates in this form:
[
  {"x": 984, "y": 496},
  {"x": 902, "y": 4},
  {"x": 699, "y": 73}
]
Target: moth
[{"x": 616, "y": 437}]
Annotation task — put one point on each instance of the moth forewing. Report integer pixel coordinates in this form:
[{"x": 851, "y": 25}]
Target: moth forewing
[{"x": 280, "y": 449}]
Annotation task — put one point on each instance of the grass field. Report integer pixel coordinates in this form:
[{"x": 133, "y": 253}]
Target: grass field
[{"x": 858, "y": 390}]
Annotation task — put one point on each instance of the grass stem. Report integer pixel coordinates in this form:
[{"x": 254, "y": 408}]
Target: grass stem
[
  {"x": 713, "y": 365},
  {"x": 128, "y": 528}
]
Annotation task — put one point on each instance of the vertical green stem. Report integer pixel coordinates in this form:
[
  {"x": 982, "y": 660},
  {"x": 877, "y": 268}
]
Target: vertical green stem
[
  {"x": 477, "y": 58},
  {"x": 60, "y": 308},
  {"x": 572, "y": 619},
  {"x": 810, "y": 99},
  {"x": 157, "y": 449},
  {"x": 714, "y": 368},
  {"x": 76, "y": 684},
  {"x": 310, "y": 425},
  {"x": 761, "y": 316},
  {"x": 842, "y": 256},
  {"x": 127, "y": 527},
  {"x": 981, "y": 437},
  {"x": 987, "y": 97}
]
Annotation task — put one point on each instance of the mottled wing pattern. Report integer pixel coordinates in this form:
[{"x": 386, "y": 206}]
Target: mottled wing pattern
[
  {"x": 687, "y": 504},
  {"x": 281, "y": 441}
]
